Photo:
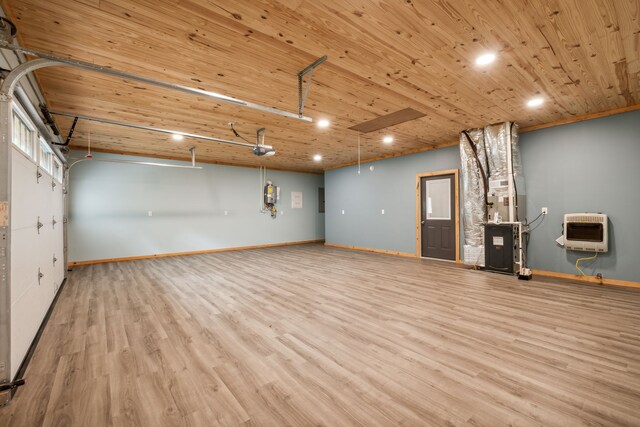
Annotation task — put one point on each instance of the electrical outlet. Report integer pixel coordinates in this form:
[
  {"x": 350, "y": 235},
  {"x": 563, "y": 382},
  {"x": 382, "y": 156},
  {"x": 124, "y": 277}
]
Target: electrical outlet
[
  {"x": 382, "y": 211},
  {"x": 342, "y": 211},
  {"x": 150, "y": 213},
  {"x": 545, "y": 211}
]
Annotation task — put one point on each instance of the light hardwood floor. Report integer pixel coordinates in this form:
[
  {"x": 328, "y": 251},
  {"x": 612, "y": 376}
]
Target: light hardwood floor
[{"x": 310, "y": 335}]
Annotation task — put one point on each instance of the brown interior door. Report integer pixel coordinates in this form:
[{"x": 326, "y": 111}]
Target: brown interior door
[{"x": 438, "y": 234}]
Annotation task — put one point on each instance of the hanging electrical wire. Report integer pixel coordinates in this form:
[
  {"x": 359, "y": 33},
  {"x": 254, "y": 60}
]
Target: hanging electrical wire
[
  {"x": 89, "y": 155},
  {"x": 263, "y": 182},
  {"x": 261, "y": 189},
  {"x": 533, "y": 222},
  {"x": 584, "y": 259},
  {"x": 358, "y": 153}
]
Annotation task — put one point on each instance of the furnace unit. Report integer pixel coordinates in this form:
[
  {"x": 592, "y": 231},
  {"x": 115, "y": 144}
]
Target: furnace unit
[{"x": 501, "y": 247}]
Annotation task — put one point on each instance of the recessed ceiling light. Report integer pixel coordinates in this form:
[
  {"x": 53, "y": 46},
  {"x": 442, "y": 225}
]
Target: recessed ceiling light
[
  {"x": 177, "y": 137},
  {"x": 323, "y": 123},
  {"x": 486, "y": 58},
  {"x": 317, "y": 157},
  {"x": 535, "y": 102},
  {"x": 387, "y": 139}
]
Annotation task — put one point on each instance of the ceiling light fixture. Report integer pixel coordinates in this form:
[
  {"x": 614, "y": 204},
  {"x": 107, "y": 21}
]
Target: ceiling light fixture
[
  {"x": 387, "y": 139},
  {"x": 323, "y": 123},
  {"x": 535, "y": 102},
  {"x": 177, "y": 137},
  {"x": 486, "y": 58},
  {"x": 317, "y": 157}
]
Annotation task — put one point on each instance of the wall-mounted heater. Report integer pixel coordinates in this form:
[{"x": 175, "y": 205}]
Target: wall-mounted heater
[{"x": 586, "y": 232}]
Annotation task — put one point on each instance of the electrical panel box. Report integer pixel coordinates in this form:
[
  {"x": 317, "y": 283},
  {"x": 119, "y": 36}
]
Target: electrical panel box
[{"x": 501, "y": 247}]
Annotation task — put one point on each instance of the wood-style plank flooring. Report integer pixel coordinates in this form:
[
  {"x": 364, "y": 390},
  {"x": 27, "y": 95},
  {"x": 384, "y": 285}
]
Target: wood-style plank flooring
[{"x": 310, "y": 335}]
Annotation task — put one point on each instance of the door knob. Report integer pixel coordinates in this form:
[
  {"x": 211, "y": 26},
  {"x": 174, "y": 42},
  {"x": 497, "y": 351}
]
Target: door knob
[{"x": 422, "y": 222}]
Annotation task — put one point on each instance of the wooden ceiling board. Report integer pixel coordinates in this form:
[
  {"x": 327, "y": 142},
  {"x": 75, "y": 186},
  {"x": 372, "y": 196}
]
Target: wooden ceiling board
[{"x": 384, "y": 56}]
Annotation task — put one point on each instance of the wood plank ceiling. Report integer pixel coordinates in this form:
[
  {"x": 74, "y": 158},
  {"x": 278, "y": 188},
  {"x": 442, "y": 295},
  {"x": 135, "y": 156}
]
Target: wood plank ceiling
[{"x": 581, "y": 56}]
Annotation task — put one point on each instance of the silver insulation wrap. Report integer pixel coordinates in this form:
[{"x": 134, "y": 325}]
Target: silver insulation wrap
[
  {"x": 496, "y": 139},
  {"x": 485, "y": 177},
  {"x": 473, "y": 161}
]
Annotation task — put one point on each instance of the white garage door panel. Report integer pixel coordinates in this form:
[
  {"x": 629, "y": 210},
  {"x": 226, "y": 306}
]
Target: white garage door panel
[
  {"x": 24, "y": 261},
  {"x": 58, "y": 236},
  {"x": 58, "y": 250},
  {"x": 45, "y": 201},
  {"x": 26, "y": 316},
  {"x": 58, "y": 203},
  {"x": 45, "y": 253},
  {"x": 31, "y": 250},
  {"x": 24, "y": 206}
]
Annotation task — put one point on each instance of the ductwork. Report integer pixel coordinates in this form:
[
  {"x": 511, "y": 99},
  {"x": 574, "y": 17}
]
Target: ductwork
[{"x": 486, "y": 156}]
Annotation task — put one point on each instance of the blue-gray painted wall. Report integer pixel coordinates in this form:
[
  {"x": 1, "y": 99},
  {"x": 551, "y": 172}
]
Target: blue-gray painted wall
[
  {"x": 109, "y": 204},
  {"x": 590, "y": 166},
  {"x": 390, "y": 186}
]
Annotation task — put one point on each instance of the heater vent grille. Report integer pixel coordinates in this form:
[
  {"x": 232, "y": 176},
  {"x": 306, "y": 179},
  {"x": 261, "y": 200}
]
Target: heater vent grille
[
  {"x": 586, "y": 232},
  {"x": 586, "y": 218}
]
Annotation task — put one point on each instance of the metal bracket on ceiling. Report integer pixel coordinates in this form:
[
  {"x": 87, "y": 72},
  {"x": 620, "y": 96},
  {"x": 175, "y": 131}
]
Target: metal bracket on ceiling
[
  {"x": 260, "y": 136},
  {"x": 192, "y": 150},
  {"x": 70, "y": 134},
  {"x": 49, "y": 60},
  {"x": 303, "y": 94},
  {"x": 48, "y": 119},
  {"x": 8, "y": 30}
]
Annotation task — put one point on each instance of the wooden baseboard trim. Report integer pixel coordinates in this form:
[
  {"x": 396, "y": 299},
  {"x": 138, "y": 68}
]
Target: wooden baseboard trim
[
  {"x": 586, "y": 279},
  {"x": 378, "y": 251},
  {"x": 205, "y": 251}
]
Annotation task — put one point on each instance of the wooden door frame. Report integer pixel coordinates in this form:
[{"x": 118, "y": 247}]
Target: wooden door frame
[{"x": 453, "y": 172}]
